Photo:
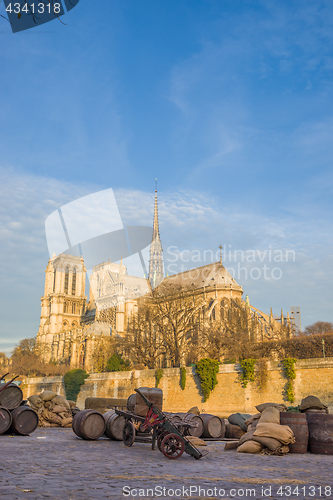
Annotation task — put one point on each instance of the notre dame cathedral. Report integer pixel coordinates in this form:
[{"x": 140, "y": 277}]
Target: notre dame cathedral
[{"x": 71, "y": 326}]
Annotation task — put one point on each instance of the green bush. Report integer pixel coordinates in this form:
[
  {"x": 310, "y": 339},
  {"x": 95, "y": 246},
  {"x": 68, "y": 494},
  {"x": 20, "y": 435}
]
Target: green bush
[
  {"x": 158, "y": 376},
  {"x": 183, "y": 377},
  {"x": 117, "y": 364},
  {"x": 247, "y": 366},
  {"x": 207, "y": 369},
  {"x": 73, "y": 381}
]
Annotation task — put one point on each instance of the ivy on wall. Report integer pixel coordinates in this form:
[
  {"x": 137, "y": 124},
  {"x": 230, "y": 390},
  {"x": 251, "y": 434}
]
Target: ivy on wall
[
  {"x": 183, "y": 377},
  {"x": 207, "y": 369},
  {"x": 247, "y": 375},
  {"x": 158, "y": 376},
  {"x": 290, "y": 372}
]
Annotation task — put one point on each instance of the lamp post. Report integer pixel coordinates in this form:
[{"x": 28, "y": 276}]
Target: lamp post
[{"x": 323, "y": 342}]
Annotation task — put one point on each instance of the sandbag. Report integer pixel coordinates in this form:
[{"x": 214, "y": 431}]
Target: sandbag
[
  {"x": 246, "y": 437},
  {"x": 59, "y": 409},
  {"x": 268, "y": 442},
  {"x": 250, "y": 420},
  {"x": 47, "y": 395},
  {"x": 232, "y": 445},
  {"x": 35, "y": 400},
  {"x": 279, "y": 406},
  {"x": 311, "y": 402},
  {"x": 270, "y": 415},
  {"x": 66, "y": 421},
  {"x": 282, "y": 450},
  {"x": 239, "y": 419},
  {"x": 49, "y": 405},
  {"x": 72, "y": 404},
  {"x": 282, "y": 433},
  {"x": 60, "y": 400},
  {"x": 250, "y": 447},
  {"x": 195, "y": 410}
]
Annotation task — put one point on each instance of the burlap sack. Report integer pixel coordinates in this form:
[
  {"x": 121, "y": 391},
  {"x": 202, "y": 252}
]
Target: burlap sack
[
  {"x": 65, "y": 414},
  {"x": 250, "y": 447},
  {"x": 47, "y": 395},
  {"x": 262, "y": 407},
  {"x": 232, "y": 445},
  {"x": 195, "y": 410},
  {"x": 282, "y": 450},
  {"x": 239, "y": 419},
  {"x": 270, "y": 415},
  {"x": 59, "y": 409},
  {"x": 66, "y": 421},
  {"x": 35, "y": 400},
  {"x": 282, "y": 433},
  {"x": 250, "y": 420},
  {"x": 60, "y": 400},
  {"x": 49, "y": 405},
  {"x": 270, "y": 443},
  {"x": 311, "y": 402},
  {"x": 246, "y": 437},
  {"x": 72, "y": 404}
]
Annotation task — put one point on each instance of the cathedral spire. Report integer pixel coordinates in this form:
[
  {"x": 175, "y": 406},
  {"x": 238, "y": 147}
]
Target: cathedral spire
[{"x": 156, "y": 273}]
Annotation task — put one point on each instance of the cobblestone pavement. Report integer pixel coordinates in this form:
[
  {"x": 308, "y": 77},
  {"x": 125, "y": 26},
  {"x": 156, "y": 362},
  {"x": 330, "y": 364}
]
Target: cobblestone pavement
[{"x": 53, "y": 463}]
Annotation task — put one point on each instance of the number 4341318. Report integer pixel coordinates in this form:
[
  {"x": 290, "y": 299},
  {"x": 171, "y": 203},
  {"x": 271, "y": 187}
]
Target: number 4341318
[{"x": 38, "y": 8}]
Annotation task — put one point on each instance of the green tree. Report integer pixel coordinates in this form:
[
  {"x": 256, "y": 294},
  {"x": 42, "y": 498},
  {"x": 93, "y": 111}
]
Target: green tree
[
  {"x": 73, "y": 380},
  {"x": 117, "y": 364}
]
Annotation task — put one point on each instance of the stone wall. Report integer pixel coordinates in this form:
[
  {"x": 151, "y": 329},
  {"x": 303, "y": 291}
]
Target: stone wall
[{"x": 313, "y": 376}]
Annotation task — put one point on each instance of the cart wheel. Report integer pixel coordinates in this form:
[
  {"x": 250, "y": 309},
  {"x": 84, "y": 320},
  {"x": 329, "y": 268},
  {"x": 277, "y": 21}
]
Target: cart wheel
[
  {"x": 160, "y": 439},
  {"x": 128, "y": 433},
  {"x": 172, "y": 446}
]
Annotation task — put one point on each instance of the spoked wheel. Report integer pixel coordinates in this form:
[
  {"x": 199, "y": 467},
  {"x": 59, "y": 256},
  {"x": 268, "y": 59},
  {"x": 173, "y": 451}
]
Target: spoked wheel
[
  {"x": 128, "y": 433},
  {"x": 160, "y": 439},
  {"x": 172, "y": 446}
]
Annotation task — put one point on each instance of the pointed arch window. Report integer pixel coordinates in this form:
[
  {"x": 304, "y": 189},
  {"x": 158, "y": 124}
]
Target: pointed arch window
[
  {"x": 66, "y": 279},
  {"x": 74, "y": 282},
  {"x": 73, "y": 308}
]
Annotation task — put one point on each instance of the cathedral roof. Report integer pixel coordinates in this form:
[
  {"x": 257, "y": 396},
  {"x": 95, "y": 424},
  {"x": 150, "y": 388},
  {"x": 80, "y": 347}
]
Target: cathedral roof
[{"x": 204, "y": 276}]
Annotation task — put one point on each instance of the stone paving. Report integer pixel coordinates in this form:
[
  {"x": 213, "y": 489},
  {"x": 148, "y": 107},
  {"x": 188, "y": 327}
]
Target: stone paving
[{"x": 55, "y": 464}]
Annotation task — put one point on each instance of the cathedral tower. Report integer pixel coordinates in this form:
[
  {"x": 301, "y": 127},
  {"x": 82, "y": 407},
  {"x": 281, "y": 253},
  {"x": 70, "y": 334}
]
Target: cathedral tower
[{"x": 156, "y": 273}]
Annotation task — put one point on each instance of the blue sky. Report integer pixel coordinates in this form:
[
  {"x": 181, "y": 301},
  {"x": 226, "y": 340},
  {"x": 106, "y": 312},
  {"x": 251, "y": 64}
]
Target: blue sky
[{"x": 228, "y": 103}]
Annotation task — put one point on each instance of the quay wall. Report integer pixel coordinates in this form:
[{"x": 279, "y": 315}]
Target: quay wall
[{"x": 313, "y": 376}]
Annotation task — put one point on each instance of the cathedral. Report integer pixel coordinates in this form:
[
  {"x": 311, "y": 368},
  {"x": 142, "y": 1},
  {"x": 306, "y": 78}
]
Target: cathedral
[{"x": 72, "y": 326}]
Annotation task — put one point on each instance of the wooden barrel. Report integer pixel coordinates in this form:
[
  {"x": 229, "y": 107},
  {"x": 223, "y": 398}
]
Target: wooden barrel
[
  {"x": 24, "y": 420},
  {"x": 191, "y": 418},
  {"x": 89, "y": 424},
  {"x": 233, "y": 431},
  {"x": 11, "y": 397},
  {"x": 320, "y": 433},
  {"x": 131, "y": 402},
  {"x": 114, "y": 425},
  {"x": 299, "y": 425},
  {"x": 214, "y": 427},
  {"x": 5, "y": 420}
]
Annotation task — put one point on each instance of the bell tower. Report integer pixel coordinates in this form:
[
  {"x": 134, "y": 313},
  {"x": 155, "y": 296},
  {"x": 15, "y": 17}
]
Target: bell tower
[{"x": 156, "y": 273}]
